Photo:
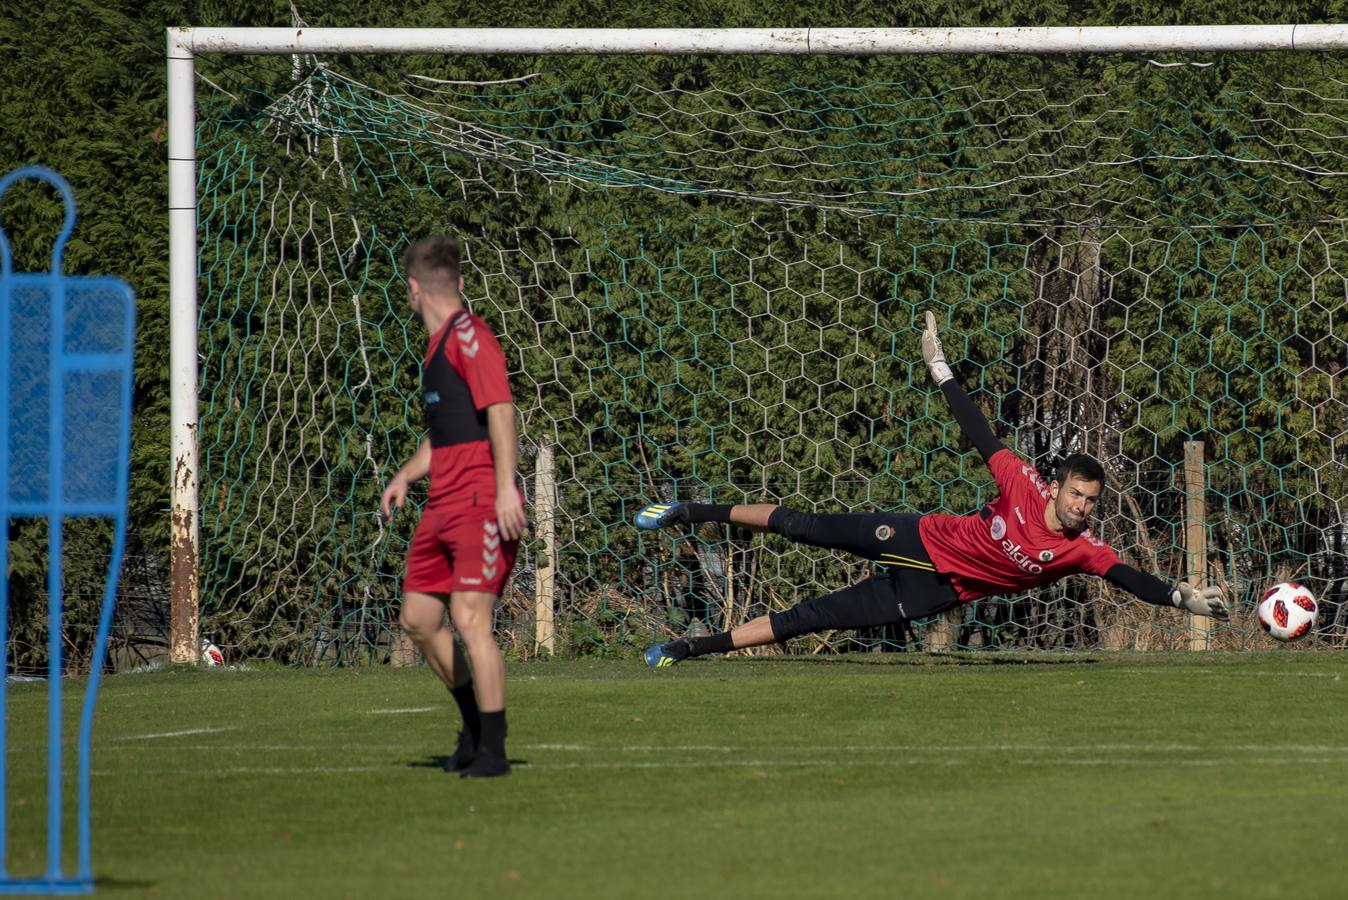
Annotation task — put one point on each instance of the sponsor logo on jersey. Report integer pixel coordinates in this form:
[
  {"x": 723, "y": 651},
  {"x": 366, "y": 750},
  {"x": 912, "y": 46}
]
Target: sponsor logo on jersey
[
  {"x": 471, "y": 580},
  {"x": 1045, "y": 556},
  {"x": 1014, "y": 551},
  {"x": 884, "y": 533},
  {"x": 1020, "y": 516},
  {"x": 1017, "y": 555}
]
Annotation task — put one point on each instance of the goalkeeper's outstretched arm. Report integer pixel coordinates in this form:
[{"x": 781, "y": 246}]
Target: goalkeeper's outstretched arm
[
  {"x": 1199, "y": 601},
  {"x": 968, "y": 416}
]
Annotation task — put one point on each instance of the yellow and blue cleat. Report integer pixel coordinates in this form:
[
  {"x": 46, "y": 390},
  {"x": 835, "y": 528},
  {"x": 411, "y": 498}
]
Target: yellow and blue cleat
[
  {"x": 657, "y": 658},
  {"x": 659, "y": 515}
]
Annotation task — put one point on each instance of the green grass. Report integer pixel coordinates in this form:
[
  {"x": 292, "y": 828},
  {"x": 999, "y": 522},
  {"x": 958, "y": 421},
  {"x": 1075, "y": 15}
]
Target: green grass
[{"x": 1187, "y": 776}]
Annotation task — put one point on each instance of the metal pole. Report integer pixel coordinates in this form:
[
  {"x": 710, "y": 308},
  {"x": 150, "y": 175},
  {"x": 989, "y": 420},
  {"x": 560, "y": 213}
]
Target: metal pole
[
  {"x": 185, "y": 543},
  {"x": 56, "y": 543},
  {"x": 831, "y": 41}
]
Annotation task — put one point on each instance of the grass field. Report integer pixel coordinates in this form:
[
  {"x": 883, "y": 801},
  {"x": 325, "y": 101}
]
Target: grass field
[{"x": 1187, "y": 776}]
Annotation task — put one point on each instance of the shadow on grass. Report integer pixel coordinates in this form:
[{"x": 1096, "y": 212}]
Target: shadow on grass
[
  {"x": 105, "y": 882},
  {"x": 440, "y": 762}
]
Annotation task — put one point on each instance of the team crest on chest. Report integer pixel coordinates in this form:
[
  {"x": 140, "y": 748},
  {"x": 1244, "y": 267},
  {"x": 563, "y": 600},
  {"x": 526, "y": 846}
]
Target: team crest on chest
[
  {"x": 1045, "y": 556},
  {"x": 884, "y": 533},
  {"x": 998, "y": 528}
]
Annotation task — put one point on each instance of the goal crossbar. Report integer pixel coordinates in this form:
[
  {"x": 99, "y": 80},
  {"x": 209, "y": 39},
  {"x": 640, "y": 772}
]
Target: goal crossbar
[{"x": 860, "y": 41}]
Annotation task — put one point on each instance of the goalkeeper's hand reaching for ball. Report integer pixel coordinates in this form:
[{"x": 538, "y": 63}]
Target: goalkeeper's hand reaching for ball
[{"x": 1205, "y": 601}]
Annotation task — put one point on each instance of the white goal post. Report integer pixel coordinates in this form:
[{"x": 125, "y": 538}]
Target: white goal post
[{"x": 185, "y": 43}]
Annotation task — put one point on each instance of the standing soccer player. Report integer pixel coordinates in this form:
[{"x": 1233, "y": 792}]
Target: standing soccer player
[
  {"x": 1033, "y": 533},
  {"x": 465, "y": 544}
]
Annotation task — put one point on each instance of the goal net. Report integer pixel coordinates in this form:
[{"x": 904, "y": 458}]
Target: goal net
[{"x": 708, "y": 275}]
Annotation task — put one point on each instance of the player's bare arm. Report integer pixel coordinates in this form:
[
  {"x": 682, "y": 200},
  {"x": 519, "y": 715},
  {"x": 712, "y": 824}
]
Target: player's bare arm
[
  {"x": 417, "y": 467},
  {"x": 505, "y": 452}
]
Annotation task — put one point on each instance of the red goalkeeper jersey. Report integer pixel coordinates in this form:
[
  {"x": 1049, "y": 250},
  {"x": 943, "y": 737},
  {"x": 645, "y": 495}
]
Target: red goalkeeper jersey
[{"x": 1007, "y": 546}]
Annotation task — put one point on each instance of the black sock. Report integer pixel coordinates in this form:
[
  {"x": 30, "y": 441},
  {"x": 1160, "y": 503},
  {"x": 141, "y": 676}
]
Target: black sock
[
  {"x": 677, "y": 649},
  {"x": 708, "y": 512},
  {"x": 712, "y": 643},
  {"x": 472, "y": 719},
  {"x": 493, "y": 733}
]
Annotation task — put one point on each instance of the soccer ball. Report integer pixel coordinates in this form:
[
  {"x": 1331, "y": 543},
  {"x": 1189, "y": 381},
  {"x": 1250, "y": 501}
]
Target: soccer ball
[
  {"x": 210, "y": 654},
  {"x": 1287, "y": 611}
]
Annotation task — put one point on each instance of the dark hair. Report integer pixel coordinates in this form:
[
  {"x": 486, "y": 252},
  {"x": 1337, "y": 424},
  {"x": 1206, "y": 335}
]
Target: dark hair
[
  {"x": 434, "y": 262},
  {"x": 1082, "y": 466}
]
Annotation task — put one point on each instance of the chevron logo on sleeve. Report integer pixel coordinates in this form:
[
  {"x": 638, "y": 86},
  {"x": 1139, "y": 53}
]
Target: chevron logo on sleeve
[{"x": 467, "y": 337}]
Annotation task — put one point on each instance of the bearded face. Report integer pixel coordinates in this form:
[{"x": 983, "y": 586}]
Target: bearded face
[{"x": 1074, "y": 502}]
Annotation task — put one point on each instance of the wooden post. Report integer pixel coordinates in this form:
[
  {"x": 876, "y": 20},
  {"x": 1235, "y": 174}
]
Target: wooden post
[
  {"x": 1196, "y": 535},
  {"x": 942, "y": 635},
  {"x": 545, "y": 520},
  {"x": 729, "y": 577},
  {"x": 402, "y": 652}
]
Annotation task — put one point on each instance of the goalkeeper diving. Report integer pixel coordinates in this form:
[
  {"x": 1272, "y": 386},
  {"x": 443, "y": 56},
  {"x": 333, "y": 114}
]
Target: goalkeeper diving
[{"x": 1033, "y": 533}]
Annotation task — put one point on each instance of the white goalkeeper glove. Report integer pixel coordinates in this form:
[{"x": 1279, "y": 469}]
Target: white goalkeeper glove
[
  {"x": 934, "y": 353},
  {"x": 1200, "y": 601}
]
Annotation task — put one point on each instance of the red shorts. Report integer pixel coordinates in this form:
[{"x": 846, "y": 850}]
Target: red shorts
[{"x": 458, "y": 548}]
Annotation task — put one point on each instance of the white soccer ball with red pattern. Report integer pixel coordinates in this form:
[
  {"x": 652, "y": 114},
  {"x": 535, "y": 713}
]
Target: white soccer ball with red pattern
[
  {"x": 1287, "y": 611},
  {"x": 210, "y": 654}
]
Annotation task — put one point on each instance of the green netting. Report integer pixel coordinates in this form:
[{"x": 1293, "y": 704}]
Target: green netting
[{"x": 713, "y": 293}]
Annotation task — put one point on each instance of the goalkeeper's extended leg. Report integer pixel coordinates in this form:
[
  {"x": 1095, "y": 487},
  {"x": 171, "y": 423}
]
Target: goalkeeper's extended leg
[
  {"x": 753, "y": 516},
  {"x": 879, "y": 600},
  {"x": 868, "y": 535},
  {"x": 869, "y": 602}
]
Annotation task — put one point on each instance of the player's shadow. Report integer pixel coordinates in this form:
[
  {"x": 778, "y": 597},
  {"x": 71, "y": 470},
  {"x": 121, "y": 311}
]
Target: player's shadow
[
  {"x": 440, "y": 762},
  {"x": 103, "y": 882}
]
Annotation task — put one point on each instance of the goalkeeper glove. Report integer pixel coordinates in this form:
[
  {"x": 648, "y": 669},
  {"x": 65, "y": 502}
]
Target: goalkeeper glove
[
  {"x": 934, "y": 353},
  {"x": 1200, "y": 601}
]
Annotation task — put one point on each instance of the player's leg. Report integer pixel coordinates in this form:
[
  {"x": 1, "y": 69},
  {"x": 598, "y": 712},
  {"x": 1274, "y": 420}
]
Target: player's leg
[
  {"x": 753, "y": 633},
  {"x": 753, "y": 516},
  {"x": 893, "y": 596},
  {"x": 891, "y": 538},
  {"x": 868, "y": 535},
  {"x": 471, "y": 612},
  {"x": 482, "y": 566},
  {"x": 422, "y": 619},
  {"x": 867, "y": 603},
  {"x": 426, "y": 595}
]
